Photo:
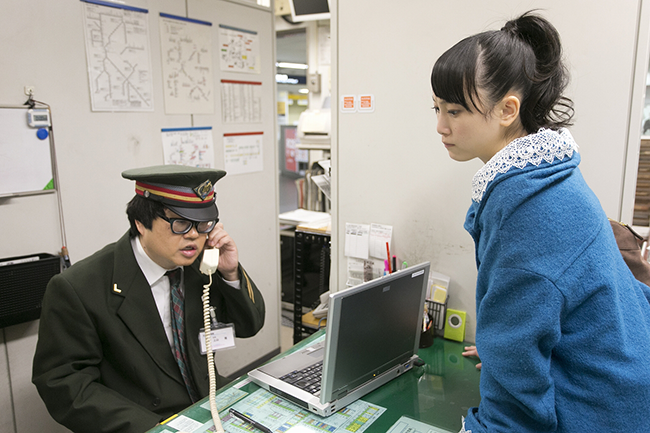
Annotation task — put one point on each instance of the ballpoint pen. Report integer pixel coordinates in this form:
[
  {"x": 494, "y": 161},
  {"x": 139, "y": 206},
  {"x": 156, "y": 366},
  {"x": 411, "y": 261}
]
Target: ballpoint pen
[
  {"x": 390, "y": 271},
  {"x": 250, "y": 420}
]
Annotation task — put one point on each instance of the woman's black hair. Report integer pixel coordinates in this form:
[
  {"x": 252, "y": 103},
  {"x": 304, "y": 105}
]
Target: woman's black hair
[
  {"x": 525, "y": 56},
  {"x": 143, "y": 210}
]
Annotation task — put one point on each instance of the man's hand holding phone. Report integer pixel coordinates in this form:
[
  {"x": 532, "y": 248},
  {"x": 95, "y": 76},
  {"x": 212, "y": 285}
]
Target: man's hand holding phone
[{"x": 228, "y": 255}]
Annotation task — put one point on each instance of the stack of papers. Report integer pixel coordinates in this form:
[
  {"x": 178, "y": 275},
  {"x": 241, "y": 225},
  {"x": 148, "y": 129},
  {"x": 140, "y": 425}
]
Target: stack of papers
[
  {"x": 316, "y": 227},
  {"x": 302, "y": 216}
]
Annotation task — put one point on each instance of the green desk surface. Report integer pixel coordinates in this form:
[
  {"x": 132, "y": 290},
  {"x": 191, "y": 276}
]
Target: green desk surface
[{"x": 438, "y": 393}]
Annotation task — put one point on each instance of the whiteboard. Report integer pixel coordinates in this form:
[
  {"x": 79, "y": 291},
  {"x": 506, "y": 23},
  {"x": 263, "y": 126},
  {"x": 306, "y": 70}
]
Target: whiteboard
[{"x": 25, "y": 159}]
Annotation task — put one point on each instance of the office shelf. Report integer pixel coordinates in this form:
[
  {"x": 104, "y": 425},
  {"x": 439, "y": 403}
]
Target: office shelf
[{"x": 312, "y": 273}]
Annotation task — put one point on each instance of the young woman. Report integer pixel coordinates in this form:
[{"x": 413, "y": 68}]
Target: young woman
[{"x": 563, "y": 327}]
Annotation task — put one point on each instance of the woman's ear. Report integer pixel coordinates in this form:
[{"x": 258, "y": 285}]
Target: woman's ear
[{"x": 509, "y": 109}]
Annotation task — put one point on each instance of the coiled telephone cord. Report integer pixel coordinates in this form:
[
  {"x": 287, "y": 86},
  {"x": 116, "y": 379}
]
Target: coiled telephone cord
[{"x": 208, "y": 348}]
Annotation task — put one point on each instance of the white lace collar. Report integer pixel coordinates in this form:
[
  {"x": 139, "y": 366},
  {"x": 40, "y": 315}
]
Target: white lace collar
[{"x": 544, "y": 145}]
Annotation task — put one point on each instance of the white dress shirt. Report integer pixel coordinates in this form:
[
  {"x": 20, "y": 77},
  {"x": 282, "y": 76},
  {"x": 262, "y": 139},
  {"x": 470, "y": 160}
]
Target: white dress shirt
[{"x": 160, "y": 288}]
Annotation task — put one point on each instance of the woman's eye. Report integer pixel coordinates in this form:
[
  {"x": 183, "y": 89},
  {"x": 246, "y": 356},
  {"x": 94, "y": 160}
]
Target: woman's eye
[
  {"x": 453, "y": 112},
  {"x": 436, "y": 109}
]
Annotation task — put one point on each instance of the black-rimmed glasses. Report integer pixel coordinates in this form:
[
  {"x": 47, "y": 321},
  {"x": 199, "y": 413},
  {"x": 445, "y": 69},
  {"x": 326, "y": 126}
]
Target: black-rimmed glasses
[{"x": 180, "y": 226}]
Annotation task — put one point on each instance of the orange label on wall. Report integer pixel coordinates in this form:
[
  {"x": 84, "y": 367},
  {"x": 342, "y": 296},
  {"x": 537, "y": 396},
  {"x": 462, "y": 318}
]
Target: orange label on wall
[
  {"x": 366, "y": 103},
  {"x": 361, "y": 103}
]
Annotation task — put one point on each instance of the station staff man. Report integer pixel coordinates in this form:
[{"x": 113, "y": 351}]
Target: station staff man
[{"x": 110, "y": 356}]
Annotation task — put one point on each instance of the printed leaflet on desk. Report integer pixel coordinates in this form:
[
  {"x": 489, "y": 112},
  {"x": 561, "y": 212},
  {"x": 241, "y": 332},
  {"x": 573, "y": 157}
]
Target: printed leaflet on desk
[{"x": 279, "y": 415}]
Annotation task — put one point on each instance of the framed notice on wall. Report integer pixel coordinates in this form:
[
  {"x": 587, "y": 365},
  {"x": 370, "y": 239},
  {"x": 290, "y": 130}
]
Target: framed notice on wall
[{"x": 25, "y": 151}]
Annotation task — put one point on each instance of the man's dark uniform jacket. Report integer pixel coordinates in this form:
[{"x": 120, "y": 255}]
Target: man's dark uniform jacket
[{"x": 103, "y": 362}]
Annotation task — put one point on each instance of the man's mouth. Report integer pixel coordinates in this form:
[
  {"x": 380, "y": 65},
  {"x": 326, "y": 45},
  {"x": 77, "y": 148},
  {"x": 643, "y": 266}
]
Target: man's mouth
[{"x": 189, "y": 251}]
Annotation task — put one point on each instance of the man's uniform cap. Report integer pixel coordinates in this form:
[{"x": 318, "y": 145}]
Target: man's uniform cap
[{"x": 187, "y": 191}]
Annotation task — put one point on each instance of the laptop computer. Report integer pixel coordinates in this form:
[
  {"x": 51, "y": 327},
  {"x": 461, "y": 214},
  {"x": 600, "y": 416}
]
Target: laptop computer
[{"x": 372, "y": 336}]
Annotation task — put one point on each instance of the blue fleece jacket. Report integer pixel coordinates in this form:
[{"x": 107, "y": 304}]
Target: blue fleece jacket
[{"x": 563, "y": 327}]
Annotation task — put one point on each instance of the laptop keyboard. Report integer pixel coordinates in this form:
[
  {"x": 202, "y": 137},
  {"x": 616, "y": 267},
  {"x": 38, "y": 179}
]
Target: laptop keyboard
[{"x": 308, "y": 378}]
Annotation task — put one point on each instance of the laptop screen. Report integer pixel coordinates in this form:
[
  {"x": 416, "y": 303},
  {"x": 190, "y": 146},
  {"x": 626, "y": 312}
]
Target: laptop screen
[{"x": 378, "y": 326}]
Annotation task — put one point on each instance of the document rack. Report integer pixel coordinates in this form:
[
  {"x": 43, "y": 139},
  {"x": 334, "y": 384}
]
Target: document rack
[
  {"x": 22, "y": 285},
  {"x": 437, "y": 312}
]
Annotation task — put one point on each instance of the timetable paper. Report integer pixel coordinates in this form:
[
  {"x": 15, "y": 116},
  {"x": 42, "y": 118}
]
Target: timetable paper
[
  {"x": 280, "y": 415},
  {"x": 226, "y": 398},
  {"x": 379, "y": 235},
  {"x": 408, "y": 425},
  {"x": 277, "y": 414},
  {"x": 241, "y": 101},
  {"x": 356, "y": 240},
  {"x": 243, "y": 152}
]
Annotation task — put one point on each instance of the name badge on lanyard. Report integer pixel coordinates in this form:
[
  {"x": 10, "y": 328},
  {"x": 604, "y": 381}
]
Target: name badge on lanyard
[{"x": 222, "y": 336}]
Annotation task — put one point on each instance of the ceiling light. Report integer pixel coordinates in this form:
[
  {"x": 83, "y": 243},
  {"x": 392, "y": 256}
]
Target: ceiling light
[
  {"x": 303, "y": 91},
  {"x": 287, "y": 65},
  {"x": 284, "y": 79}
]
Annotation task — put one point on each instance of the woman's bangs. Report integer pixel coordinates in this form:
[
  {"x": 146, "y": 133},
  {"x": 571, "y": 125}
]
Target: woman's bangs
[{"x": 452, "y": 78}]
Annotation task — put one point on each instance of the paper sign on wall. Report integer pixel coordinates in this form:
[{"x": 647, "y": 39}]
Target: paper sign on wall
[
  {"x": 243, "y": 152},
  {"x": 380, "y": 235},
  {"x": 241, "y": 101},
  {"x": 239, "y": 50},
  {"x": 188, "y": 146},
  {"x": 356, "y": 240}
]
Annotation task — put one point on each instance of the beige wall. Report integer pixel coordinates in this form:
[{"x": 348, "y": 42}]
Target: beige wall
[
  {"x": 43, "y": 46},
  {"x": 390, "y": 166}
]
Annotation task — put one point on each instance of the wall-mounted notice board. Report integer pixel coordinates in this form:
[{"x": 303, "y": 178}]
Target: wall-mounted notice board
[{"x": 25, "y": 154}]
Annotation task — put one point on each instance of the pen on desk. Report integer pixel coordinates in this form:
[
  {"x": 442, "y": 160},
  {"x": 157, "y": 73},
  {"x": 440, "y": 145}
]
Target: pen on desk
[
  {"x": 390, "y": 271},
  {"x": 250, "y": 420},
  {"x": 394, "y": 263}
]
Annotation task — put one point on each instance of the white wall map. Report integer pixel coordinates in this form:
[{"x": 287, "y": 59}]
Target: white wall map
[
  {"x": 186, "y": 52},
  {"x": 118, "y": 56},
  {"x": 192, "y": 147}
]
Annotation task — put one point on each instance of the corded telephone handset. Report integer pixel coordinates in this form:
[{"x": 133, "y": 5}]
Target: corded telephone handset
[
  {"x": 321, "y": 311},
  {"x": 209, "y": 266}
]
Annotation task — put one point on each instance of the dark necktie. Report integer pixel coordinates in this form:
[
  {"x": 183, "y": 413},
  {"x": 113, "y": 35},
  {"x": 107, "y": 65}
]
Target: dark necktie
[{"x": 178, "y": 330}]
